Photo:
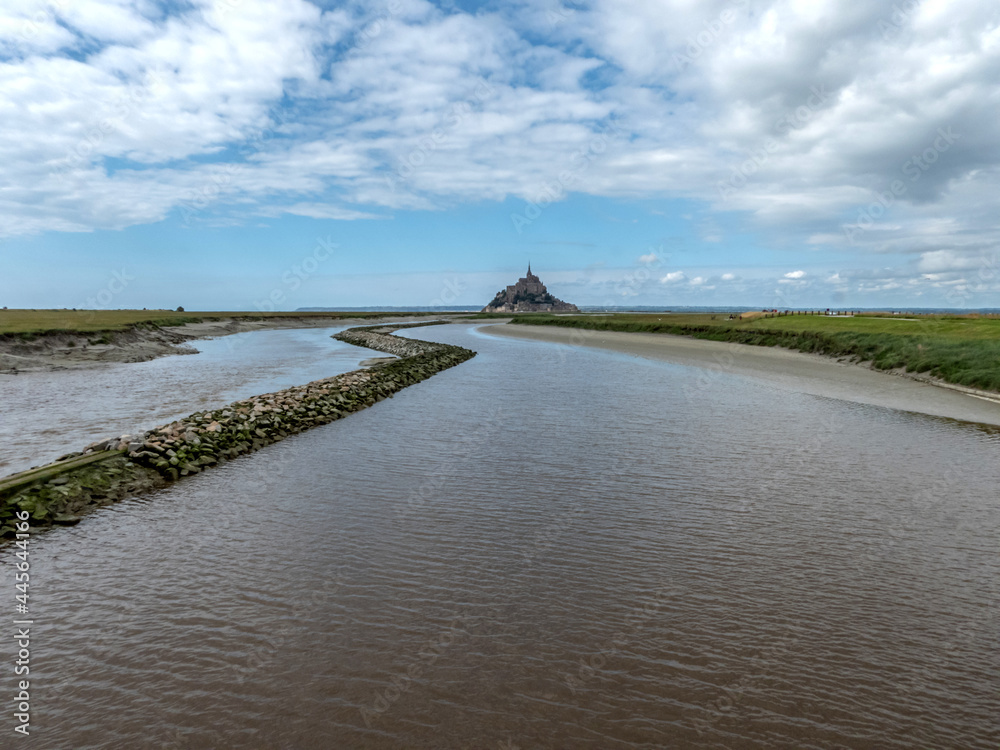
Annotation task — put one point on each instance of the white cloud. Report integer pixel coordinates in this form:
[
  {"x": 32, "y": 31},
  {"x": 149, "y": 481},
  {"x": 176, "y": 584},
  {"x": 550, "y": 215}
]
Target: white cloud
[
  {"x": 324, "y": 211},
  {"x": 801, "y": 116},
  {"x": 673, "y": 277},
  {"x": 728, "y": 276},
  {"x": 648, "y": 259},
  {"x": 795, "y": 274},
  {"x": 950, "y": 260}
]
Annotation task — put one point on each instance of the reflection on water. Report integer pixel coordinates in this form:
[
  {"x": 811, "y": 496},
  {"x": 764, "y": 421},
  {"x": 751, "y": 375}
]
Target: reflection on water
[
  {"x": 44, "y": 415},
  {"x": 543, "y": 548}
]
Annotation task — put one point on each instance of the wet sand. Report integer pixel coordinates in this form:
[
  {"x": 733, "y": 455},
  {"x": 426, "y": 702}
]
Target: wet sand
[
  {"x": 62, "y": 351},
  {"x": 784, "y": 368}
]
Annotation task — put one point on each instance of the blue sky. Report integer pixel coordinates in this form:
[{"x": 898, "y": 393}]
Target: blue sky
[{"x": 238, "y": 154}]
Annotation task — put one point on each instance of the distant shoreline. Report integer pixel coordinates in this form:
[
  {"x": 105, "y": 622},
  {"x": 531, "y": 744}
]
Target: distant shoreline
[{"x": 806, "y": 373}]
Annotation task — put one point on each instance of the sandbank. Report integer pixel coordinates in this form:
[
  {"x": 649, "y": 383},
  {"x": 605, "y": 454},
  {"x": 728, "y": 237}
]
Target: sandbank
[
  {"x": 72, "y": 350},
  {"x": 784, "y": 368}
]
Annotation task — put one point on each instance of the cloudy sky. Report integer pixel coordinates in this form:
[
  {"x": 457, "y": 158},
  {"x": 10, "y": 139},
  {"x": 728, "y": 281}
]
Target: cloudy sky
[{"x": 244, "y": 154}]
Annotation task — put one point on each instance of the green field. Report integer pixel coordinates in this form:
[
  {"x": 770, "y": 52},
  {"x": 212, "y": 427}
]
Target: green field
[
  {"x": 958, "y": 349},
  {"x": 33, "y": 322}
]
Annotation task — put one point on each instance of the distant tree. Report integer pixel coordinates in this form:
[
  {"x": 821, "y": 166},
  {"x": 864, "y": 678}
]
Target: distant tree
[{"x": 180, "y": 309}]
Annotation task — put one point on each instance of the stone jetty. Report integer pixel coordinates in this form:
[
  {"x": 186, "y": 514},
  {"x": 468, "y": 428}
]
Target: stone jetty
[{"x": 109, "y": 470}]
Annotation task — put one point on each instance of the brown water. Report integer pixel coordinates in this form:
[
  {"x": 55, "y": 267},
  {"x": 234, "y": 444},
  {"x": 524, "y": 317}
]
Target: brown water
[{"x": 542, "y": 548}]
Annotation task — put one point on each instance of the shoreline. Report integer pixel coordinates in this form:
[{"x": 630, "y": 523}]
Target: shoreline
[
  {"x": 67, "y": 350},
  {"x": 815, "y": 374}
]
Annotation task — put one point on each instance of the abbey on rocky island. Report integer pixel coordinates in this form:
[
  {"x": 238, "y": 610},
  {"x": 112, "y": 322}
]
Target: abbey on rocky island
[{"x": 527, "y": 295}]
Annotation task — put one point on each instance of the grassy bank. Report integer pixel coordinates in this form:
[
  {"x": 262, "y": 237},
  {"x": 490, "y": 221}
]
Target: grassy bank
[
  {"x": 36, "y": 322},
  {"x": 958, "y": 349}
]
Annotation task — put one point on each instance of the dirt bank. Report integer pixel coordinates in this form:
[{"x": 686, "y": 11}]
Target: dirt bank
[
  {"x": 783, "y": 368},
  {"x": 64, "y": 350}
]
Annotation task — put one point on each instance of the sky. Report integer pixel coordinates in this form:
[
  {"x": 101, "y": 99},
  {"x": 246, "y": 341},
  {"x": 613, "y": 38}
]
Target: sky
[{"x": 257, "y": 155}]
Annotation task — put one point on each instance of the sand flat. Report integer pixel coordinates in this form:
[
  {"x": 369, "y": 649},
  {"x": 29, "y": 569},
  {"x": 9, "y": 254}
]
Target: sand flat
[
  {"x": 72, "y": 349},
  {"x": 784, "y": 368}
]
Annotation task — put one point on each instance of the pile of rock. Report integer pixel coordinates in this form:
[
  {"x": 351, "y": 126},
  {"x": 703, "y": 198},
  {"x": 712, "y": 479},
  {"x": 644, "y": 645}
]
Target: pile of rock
[
  {"x": 380, "y": 339},
  {"x": 205, "y": 438}
]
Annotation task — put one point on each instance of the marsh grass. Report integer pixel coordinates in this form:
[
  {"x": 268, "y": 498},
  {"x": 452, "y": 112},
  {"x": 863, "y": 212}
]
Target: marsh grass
[
  {"x": 964, "y": 350},
  {"x": 29, "y": 323}
]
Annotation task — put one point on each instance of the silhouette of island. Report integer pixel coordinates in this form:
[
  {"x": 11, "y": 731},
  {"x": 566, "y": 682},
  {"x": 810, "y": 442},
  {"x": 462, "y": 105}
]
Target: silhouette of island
[{"x": 527, "y": 295}]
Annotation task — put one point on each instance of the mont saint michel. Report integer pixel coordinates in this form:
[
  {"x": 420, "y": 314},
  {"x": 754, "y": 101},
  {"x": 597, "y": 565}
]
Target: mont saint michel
[{"x": 527, "y": 295}]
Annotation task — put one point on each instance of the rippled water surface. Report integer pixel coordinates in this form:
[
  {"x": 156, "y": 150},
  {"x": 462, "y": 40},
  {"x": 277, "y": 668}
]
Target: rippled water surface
[
  {"x": 543, "y": 548},
  {"x": 44, "y": 415}
]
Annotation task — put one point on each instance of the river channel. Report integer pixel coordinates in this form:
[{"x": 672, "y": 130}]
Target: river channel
[
  {"x": 544, "y": 547},
  {"x": 46, "y": 414}
]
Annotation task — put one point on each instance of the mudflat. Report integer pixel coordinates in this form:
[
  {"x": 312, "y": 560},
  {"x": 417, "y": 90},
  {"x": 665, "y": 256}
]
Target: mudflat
[
  {"x": 59, "y": 350},
  {"x": 805, "y": 373}
]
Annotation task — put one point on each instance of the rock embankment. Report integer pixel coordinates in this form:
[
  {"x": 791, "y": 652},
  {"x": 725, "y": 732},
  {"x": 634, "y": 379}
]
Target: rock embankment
[
  {"x": 381, "y": 339},
  {"x": 67, "y": 349},
  {"x": 60, "y": 492}
]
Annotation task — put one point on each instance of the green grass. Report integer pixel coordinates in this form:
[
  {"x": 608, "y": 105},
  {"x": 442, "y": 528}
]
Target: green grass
[
  {"x": 493, "y": 315},
  {"x": 29, "y": 323},
  {"x": 957, "y": 349}
]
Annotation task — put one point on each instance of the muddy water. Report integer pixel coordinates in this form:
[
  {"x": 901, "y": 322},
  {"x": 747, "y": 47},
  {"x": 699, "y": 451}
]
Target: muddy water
[
  {"x": 44, "y": 415},
  {"x": 542, "y": 548}
]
